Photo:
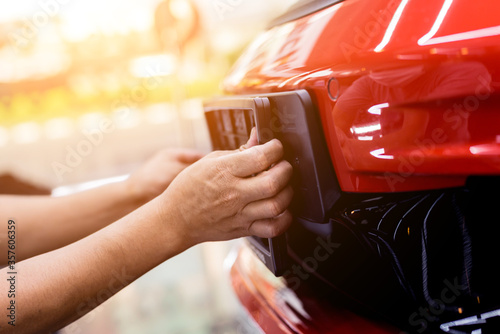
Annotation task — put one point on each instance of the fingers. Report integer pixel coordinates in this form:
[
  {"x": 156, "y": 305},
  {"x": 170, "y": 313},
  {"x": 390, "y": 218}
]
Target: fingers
[
  {"x": 255, "y": 159},
  {"x": 266, "y": 184},
  {"x": 269, "y": 217},
  {"x": 188, "y": 156},
  {"x": 272, "y": 227},
  {"x": 270, "y": 207}
]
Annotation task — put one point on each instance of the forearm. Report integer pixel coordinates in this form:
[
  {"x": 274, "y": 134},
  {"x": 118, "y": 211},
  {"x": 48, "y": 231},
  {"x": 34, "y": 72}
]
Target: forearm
[
  {"x": 225, "y": 195},
  {"x": 45, "y": 223},
  {"x": 58, "y": 287}
]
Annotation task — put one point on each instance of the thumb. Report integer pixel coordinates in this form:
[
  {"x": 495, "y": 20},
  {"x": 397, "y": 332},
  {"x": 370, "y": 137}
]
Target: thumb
[{"x": 252, "y": 141}]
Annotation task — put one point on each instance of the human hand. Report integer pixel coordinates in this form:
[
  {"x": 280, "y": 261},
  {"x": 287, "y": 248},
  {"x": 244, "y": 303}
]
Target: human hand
[
  {"x": 230, "y": 194},
  {"x": 152, "y": 178}
]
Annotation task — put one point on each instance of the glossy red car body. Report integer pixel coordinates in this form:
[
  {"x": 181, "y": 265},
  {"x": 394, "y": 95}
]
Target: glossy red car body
[
  {"x": 407, "y": 92},
  {"x": 277, "y": 308},
  {"x": 399, "y": 86}
]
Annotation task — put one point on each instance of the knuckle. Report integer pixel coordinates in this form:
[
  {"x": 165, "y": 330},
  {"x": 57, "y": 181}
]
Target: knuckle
[
  {"x": 229, "y": 197},
  {"x": 273, "y": 229},
  {"x": 225, "y": 185},
  {"x": 219, "y": 170},
  {"x": 275, "y": 207},
  {"x": 261, "y": 159},
  {"x": 277, "y": 145},
  {"x": 285, "y": 170},
  {"x": 273, "y": 186}
]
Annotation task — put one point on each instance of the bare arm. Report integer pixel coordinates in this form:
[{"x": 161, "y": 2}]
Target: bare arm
[
  {"x": 46, "y": 223},
  {"x": 213, "y": 199}
]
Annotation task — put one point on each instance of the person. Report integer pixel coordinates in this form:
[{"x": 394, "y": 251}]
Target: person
[{"x": 73, "y": 252}]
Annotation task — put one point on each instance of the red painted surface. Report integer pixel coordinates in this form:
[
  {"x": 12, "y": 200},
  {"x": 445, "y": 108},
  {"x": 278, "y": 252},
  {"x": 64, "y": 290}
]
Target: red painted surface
[
  {"x": 417, "y": 84},
  {"x": 413, "y": 105},
  {"x": 278, "y": 309}
]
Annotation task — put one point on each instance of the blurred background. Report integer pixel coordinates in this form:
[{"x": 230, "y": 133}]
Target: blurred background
[{"x": 89, "y": 89}]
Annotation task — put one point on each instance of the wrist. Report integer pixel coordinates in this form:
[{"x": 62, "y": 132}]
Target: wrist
[
  {"x": 172, "y": 222},
  {"x": 123, "y": 196},
  {"x": 133, "y": 193}
]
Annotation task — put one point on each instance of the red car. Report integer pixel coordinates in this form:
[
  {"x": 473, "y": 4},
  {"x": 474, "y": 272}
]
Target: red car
[{"x": 388, "y": 111}]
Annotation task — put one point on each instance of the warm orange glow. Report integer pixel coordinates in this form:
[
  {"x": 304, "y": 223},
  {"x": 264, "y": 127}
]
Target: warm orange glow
[{"x": 69, "y": 58}]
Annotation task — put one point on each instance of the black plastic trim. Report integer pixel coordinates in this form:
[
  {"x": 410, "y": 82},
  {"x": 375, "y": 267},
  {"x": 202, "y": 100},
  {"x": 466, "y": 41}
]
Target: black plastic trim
[{"x": 292, "y": 118}]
